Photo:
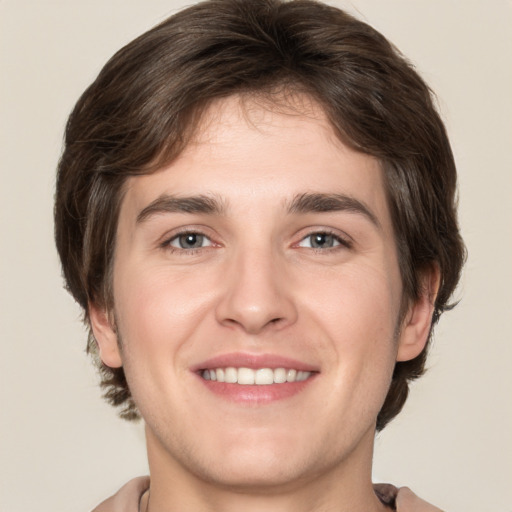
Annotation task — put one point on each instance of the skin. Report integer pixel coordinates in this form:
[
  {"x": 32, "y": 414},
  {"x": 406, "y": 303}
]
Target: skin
[{"x": 257, "y": 286}]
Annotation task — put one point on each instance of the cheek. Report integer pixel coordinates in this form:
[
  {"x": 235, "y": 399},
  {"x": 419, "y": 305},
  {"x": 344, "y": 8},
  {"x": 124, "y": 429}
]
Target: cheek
[
  {"x": 358, "y": 311},
  {"x": 356, "y": 302},
  {"x": 157, "y": 315},
  {"x": 156, "y": 309},
  {"x": 161, "y": 310}
]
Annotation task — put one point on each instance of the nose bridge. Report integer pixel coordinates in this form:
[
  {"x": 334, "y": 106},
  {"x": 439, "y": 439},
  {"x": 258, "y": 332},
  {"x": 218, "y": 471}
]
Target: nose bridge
[{"x": 256, "y": 295}]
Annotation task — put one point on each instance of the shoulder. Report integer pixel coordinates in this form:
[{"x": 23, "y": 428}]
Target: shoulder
[
  {"x": 407, "y": 501},
  {"x": 127, "y": 498},
  {"x": 402, "y": 499}
]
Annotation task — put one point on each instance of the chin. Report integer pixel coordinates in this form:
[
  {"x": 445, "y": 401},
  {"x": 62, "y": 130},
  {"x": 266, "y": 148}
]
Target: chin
[
  {"x": 253, "y": 463},
  {"x": 253, "y": 472}
]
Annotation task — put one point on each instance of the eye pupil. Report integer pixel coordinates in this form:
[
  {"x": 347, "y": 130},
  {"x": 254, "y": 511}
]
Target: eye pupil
[
  {"x": 320, "y": 240},
  {"x": 191, "y": 241}
]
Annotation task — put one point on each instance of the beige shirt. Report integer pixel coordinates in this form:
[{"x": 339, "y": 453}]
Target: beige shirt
[{"x": 128, "y": 497}]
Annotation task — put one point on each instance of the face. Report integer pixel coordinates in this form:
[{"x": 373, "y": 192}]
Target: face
[{"x": 257, "y": 296}]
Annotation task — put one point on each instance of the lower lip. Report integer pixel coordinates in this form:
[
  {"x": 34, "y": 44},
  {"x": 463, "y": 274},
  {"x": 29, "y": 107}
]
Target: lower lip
[{"x": 252, "y": 394}]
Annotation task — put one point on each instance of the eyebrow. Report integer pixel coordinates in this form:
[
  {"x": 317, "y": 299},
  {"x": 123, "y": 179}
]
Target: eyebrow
[
  {"x": 320, "y": 202},
  {"x": 167, "y": 203},
  {"x": 303, "y": 203}
]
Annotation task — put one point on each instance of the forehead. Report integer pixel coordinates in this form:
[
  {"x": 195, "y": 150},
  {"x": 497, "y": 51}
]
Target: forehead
[
  {"x": 248, "y": 121},
  {"x": 249, "y": 148}
]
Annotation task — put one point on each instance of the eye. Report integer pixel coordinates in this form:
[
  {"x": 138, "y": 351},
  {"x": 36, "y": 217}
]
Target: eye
[
  {"x": 321, "y": 240},
  {"x": 190, "y": 241}
]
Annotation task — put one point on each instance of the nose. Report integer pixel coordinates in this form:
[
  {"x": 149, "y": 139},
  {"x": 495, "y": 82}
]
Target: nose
[{"x": 257, "y": 294}]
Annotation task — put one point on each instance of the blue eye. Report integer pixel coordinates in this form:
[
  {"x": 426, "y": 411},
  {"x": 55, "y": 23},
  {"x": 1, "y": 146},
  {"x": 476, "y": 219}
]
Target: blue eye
[
  {"x": 321, "y": 241},
  {"x": 190, "y": 241}
]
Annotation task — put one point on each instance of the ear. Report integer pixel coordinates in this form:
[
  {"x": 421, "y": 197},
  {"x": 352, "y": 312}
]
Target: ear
[
  {"x": 418, "y": 320},
  {"x": 106, "y": 336}
]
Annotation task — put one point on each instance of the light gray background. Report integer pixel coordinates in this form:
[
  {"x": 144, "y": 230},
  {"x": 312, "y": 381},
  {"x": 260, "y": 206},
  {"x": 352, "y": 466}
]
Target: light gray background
[{"x": 62, "y": 448}]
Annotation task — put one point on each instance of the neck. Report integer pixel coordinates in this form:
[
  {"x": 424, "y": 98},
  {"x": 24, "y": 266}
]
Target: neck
[{"x": 345, "y": 487}]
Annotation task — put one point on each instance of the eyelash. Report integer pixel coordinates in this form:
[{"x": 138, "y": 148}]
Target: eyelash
[
  {"x": 344, "y": 243},
  {"x": 166, "y": 244}
]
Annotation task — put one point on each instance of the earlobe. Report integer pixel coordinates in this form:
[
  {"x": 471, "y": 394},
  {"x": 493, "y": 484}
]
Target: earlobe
[
  {"x": 418, "y": 320},
  {"x": 106, "y": 336}
]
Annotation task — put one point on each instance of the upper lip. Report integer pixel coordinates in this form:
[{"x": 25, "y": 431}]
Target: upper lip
[{"x": 253, "y": 361}]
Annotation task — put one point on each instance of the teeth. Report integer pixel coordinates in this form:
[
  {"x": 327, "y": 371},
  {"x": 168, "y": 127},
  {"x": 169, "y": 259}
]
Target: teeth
[
  {"x": 290, "y": 376},
  {"x": 279, "y": 375},
  {"x": 246, "y": 376},
  {"x": 300, "y": 376},
  {"x": 231, "y": 375},
  {"x": 260, "y": 377},
  {"x": 264, "y": 376}
]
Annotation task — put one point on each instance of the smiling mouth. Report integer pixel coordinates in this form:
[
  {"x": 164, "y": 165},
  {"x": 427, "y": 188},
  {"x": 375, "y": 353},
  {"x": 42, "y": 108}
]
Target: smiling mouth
[{"x": 258, "y": 377}]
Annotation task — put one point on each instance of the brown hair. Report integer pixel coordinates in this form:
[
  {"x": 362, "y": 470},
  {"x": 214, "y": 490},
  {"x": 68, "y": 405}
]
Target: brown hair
[{"x": 142, "y": 108}]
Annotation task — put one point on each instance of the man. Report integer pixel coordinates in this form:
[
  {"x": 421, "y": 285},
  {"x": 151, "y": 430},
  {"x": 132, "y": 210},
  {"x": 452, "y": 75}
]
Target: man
[{"x": 256, "y": 210}]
